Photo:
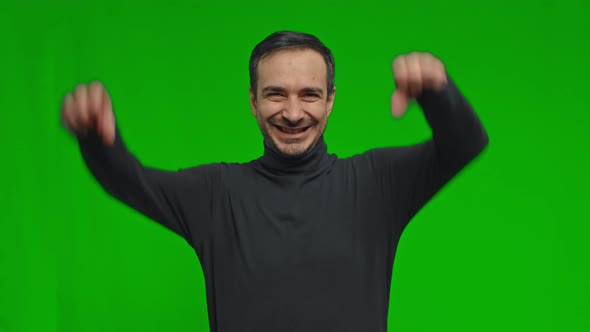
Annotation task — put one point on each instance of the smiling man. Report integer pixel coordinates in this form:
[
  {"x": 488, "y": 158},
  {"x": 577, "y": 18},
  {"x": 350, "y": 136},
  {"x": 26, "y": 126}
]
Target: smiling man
[
  {"x": 292, "y": 98},
  {"x": 298, "y": 239}
]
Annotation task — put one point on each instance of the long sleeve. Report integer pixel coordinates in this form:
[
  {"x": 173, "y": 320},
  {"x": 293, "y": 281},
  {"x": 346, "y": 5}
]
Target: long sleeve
[
  {"x": 179, "y": 200},
  {"x": 412, "y": 175}
]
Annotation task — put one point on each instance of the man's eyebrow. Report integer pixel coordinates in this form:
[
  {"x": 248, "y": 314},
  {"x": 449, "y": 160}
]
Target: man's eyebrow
[
  {"x": 313, "y": 89},
  {"x": 272, "y": 88},
  {"x": 309, "y": 89}
]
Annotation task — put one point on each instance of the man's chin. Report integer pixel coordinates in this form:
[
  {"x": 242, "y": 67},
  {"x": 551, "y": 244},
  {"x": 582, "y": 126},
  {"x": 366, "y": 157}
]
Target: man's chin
[{"x": 291, "y": 150}]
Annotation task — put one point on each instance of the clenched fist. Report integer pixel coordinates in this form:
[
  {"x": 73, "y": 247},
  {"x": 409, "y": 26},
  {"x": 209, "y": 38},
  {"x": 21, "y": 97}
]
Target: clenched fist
[
  {"x": 414, "y": 73},
  {"x": 89, "y": 109}
]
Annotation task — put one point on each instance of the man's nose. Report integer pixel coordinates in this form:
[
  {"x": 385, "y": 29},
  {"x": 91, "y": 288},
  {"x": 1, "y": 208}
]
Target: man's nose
[{"x": 293, "y": 111}]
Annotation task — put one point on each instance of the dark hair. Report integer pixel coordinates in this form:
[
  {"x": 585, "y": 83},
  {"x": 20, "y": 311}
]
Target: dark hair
[{"x": 289, "y": 39}]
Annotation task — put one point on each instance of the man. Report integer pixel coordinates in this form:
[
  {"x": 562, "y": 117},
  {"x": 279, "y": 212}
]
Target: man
[{"x": 298, "y": 239}]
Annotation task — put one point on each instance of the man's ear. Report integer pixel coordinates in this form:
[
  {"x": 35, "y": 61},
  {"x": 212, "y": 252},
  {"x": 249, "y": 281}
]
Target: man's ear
[
  {"x": 253, "y": 102},
  {"x": 330, "y": 102}
]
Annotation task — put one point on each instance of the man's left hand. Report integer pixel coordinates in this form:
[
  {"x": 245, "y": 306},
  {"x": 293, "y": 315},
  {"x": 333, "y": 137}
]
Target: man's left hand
[{"x": 414, "y": 73}]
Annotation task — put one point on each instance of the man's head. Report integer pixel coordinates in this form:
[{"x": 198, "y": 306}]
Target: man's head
[{"x": 291, "y": 90}]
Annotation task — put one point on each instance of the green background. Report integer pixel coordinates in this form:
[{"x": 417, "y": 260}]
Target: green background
[{"x": 504, "y": 247}]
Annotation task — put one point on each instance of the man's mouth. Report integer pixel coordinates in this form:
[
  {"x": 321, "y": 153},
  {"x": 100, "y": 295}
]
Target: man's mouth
[{"x": 292, "y": 131}]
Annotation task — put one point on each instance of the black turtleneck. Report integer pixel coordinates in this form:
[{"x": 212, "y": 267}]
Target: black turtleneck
[{"x": 302, "y": 244}]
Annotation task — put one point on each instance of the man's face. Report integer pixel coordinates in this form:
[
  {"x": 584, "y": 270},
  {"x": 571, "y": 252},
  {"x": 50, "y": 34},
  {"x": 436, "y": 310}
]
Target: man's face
[{"x": 292, "y": 105}]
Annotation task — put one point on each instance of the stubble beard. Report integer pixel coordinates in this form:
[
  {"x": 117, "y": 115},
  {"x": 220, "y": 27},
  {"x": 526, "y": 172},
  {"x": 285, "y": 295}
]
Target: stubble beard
[{"x": 292, "y": 150}]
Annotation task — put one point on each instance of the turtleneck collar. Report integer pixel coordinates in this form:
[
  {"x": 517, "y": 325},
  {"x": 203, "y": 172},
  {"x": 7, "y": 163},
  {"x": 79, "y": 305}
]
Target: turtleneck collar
[{"x": 313, "y": 161}]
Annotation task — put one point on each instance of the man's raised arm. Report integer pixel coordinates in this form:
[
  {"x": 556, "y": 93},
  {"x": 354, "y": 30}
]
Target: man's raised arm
[
  {"x": 179, "y": 200},
  {"x": 412, "y": 175}
]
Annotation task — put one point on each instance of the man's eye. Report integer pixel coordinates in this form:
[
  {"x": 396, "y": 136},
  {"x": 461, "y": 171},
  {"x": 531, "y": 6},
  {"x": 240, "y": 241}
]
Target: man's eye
[
  {"x": 274, "y": 94},
  {"x": 312, "y": 95}
]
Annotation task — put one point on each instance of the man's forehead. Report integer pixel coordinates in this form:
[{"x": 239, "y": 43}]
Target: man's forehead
[
  {"x": 290, "y": 66},
  {"x": 293, "y": 56},
  {"x": 295, "y": 50},
  {"x": 293, "y": 69}
]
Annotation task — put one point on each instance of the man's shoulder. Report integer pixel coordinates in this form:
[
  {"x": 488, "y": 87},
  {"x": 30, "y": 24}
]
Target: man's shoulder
[
  {"x": 373, "y": 153},
  {"x": 386, "y": 155},
  {"x": 220, "y": 166}
]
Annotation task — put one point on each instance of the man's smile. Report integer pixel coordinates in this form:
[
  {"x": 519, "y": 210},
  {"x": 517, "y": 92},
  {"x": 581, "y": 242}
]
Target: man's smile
[{"x": 292, "y": 131}]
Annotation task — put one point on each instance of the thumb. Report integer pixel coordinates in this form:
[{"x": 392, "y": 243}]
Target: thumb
[
  {"x": 107, "y": 124},
  {"x": 399, "y": 103}
]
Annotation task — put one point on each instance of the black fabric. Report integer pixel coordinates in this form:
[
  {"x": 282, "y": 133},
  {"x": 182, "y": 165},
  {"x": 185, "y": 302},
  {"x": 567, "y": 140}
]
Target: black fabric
[{"x": 302, "y": 244}]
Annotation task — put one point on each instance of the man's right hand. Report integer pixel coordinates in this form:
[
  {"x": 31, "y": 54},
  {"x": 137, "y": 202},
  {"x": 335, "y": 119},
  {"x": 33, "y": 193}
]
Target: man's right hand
[{"x": 89, "y": 109}]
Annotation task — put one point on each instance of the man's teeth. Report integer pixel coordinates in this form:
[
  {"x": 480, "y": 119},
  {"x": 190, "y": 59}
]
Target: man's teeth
[{"x": 292, "y": 130}]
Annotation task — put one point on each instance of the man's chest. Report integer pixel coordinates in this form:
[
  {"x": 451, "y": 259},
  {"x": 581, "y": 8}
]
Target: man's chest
[{"x": 324, "y": 228}]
